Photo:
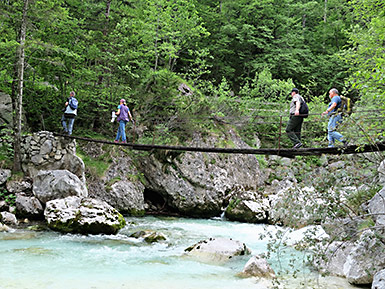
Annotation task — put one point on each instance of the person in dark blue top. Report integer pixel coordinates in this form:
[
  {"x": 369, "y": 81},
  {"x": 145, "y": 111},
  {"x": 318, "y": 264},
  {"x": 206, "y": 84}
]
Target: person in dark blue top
[{"x": 335, "y": 118}]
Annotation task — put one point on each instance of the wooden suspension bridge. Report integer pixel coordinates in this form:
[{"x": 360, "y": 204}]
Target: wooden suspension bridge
[{"x": 284, "y": 152}]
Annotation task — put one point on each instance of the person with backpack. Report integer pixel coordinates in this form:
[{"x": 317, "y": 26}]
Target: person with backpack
[
  {"x": 334, "y": 118},
  {"x": 294, "y": 125},
  {"x": 70, "y": 112},
  {"x": 124, "y": 116}
]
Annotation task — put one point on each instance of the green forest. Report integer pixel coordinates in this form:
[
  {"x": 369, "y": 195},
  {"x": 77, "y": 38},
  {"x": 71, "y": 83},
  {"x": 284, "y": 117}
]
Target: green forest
[{"x": 183, "y": 65}]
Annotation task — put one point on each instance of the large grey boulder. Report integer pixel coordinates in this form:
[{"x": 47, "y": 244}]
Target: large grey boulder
[
  {"x": 379, "y": 280},
  {"x": 196, "y": 184},
  {"x": 248, "y": 207},
  {"x": 8, "y": 218},
  {"x": 258, "y": 266},
  {"x": 83, "y": 215},
  {"x": 120, "y": 186},
  {"x": 29, "y": 207},
  {"x": 217, "y": 250},
  {"x": 330, "y": 259},
  {"x": 377, "y": 208},
  {"x": 57, "y": 184},
  {"x": 365, "y": 259},
  {"x": 127, "y": 197}
]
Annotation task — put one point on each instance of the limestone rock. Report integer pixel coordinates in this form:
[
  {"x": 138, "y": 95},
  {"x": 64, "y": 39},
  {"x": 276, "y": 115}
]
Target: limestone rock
[
  {"x": 3, "y": 206},
  {"x": 127, "y": 197},
  {"x": 149, "y": 236},
  {"x": 196, "y": 184},
  {"x": 381, "y": 173},
  {"x": 258, "y": 266},
  {"x": 217, "y": 250},
  {"x": 83, "y": 215},
  {"x": 4, "y": 175},
  {"x": 4, "y": 228},
  {"x": 366, "y": 258},
  {"x": 51, "y": 185},
  {"x": 120, "y": 187},
  {"x": 377, "y": 208},
  {"x": 248, "y": 207},
  {"x": 18, "y": 186},
  {"x": 29, "y": 207},
  {"x": 379, "y": 280},
  {"x": 6, "y": 110},
  {"x": 8, "y": 218},
  {"x": 331, "y": 259}
]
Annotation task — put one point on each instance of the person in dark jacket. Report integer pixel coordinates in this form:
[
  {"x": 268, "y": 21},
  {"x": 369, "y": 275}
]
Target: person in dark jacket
[
  {"x": 294, "y": 125},
  {"x": 124, "y": 116}
]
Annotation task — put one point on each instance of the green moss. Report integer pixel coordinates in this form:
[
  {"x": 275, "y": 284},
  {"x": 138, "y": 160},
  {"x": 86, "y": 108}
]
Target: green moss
[
  {"x": 137, "y": 213},
  {"x": 233, "y": 204}
]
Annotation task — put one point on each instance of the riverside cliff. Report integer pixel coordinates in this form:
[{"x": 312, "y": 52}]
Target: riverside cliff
[{"x": 57, "y": 184}]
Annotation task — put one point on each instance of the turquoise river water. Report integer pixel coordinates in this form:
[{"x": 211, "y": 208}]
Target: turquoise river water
[{"x": 30, "y": 259}]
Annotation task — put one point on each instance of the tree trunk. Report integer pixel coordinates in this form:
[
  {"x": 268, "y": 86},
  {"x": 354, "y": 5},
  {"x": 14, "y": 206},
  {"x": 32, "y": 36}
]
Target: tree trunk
[
  {"x": 18, "y": 99},
  {"x": 325, "y": 10}
]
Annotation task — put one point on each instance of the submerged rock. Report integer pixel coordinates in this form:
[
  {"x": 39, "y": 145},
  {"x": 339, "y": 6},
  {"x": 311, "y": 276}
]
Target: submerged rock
[
  {"x": 83, "y": 215},
  {"x": 218, "y": 250},
  {"x": 149, "y": 236}
]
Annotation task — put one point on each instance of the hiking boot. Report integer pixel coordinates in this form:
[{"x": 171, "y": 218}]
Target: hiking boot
[
  {"x": 116, "y": 141},
  {"x": 297, "y": 145},
  {"x": 124, "y": 141}
]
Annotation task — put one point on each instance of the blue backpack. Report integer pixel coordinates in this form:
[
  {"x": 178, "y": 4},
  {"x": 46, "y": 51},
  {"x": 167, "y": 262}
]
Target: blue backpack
[{"x": 73, "y": 103}]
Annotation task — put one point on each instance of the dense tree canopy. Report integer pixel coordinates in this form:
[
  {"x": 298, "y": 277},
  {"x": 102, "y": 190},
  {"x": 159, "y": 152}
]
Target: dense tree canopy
[{"x": 224, "y": 50}]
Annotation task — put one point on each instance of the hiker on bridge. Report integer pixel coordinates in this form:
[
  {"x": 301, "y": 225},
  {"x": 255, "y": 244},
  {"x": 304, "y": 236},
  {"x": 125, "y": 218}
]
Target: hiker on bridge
[
  {"x": 124, "y": 116},
  {"x": 294, "y": 125},
  {"x": 70, "y": 112},
  {"x": 334, "y": 118}
]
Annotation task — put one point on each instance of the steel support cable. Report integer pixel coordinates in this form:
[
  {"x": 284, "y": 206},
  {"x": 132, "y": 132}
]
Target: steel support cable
[{"x": 352, "y": 149}]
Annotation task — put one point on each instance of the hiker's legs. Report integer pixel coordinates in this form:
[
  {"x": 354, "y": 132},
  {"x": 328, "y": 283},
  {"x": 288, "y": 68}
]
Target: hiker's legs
[
  {"x": 118, "y": 135},
  {"x": 63, "y": 123},
  {"x": 334, "y": 121},
  {"x": 293, "y": 129},
  {"x": 333, "y": 135},
  {"x": 123, "y": 129},
  {"x": 298, "y": 129},
  {"x": 70, "y": 125}
]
